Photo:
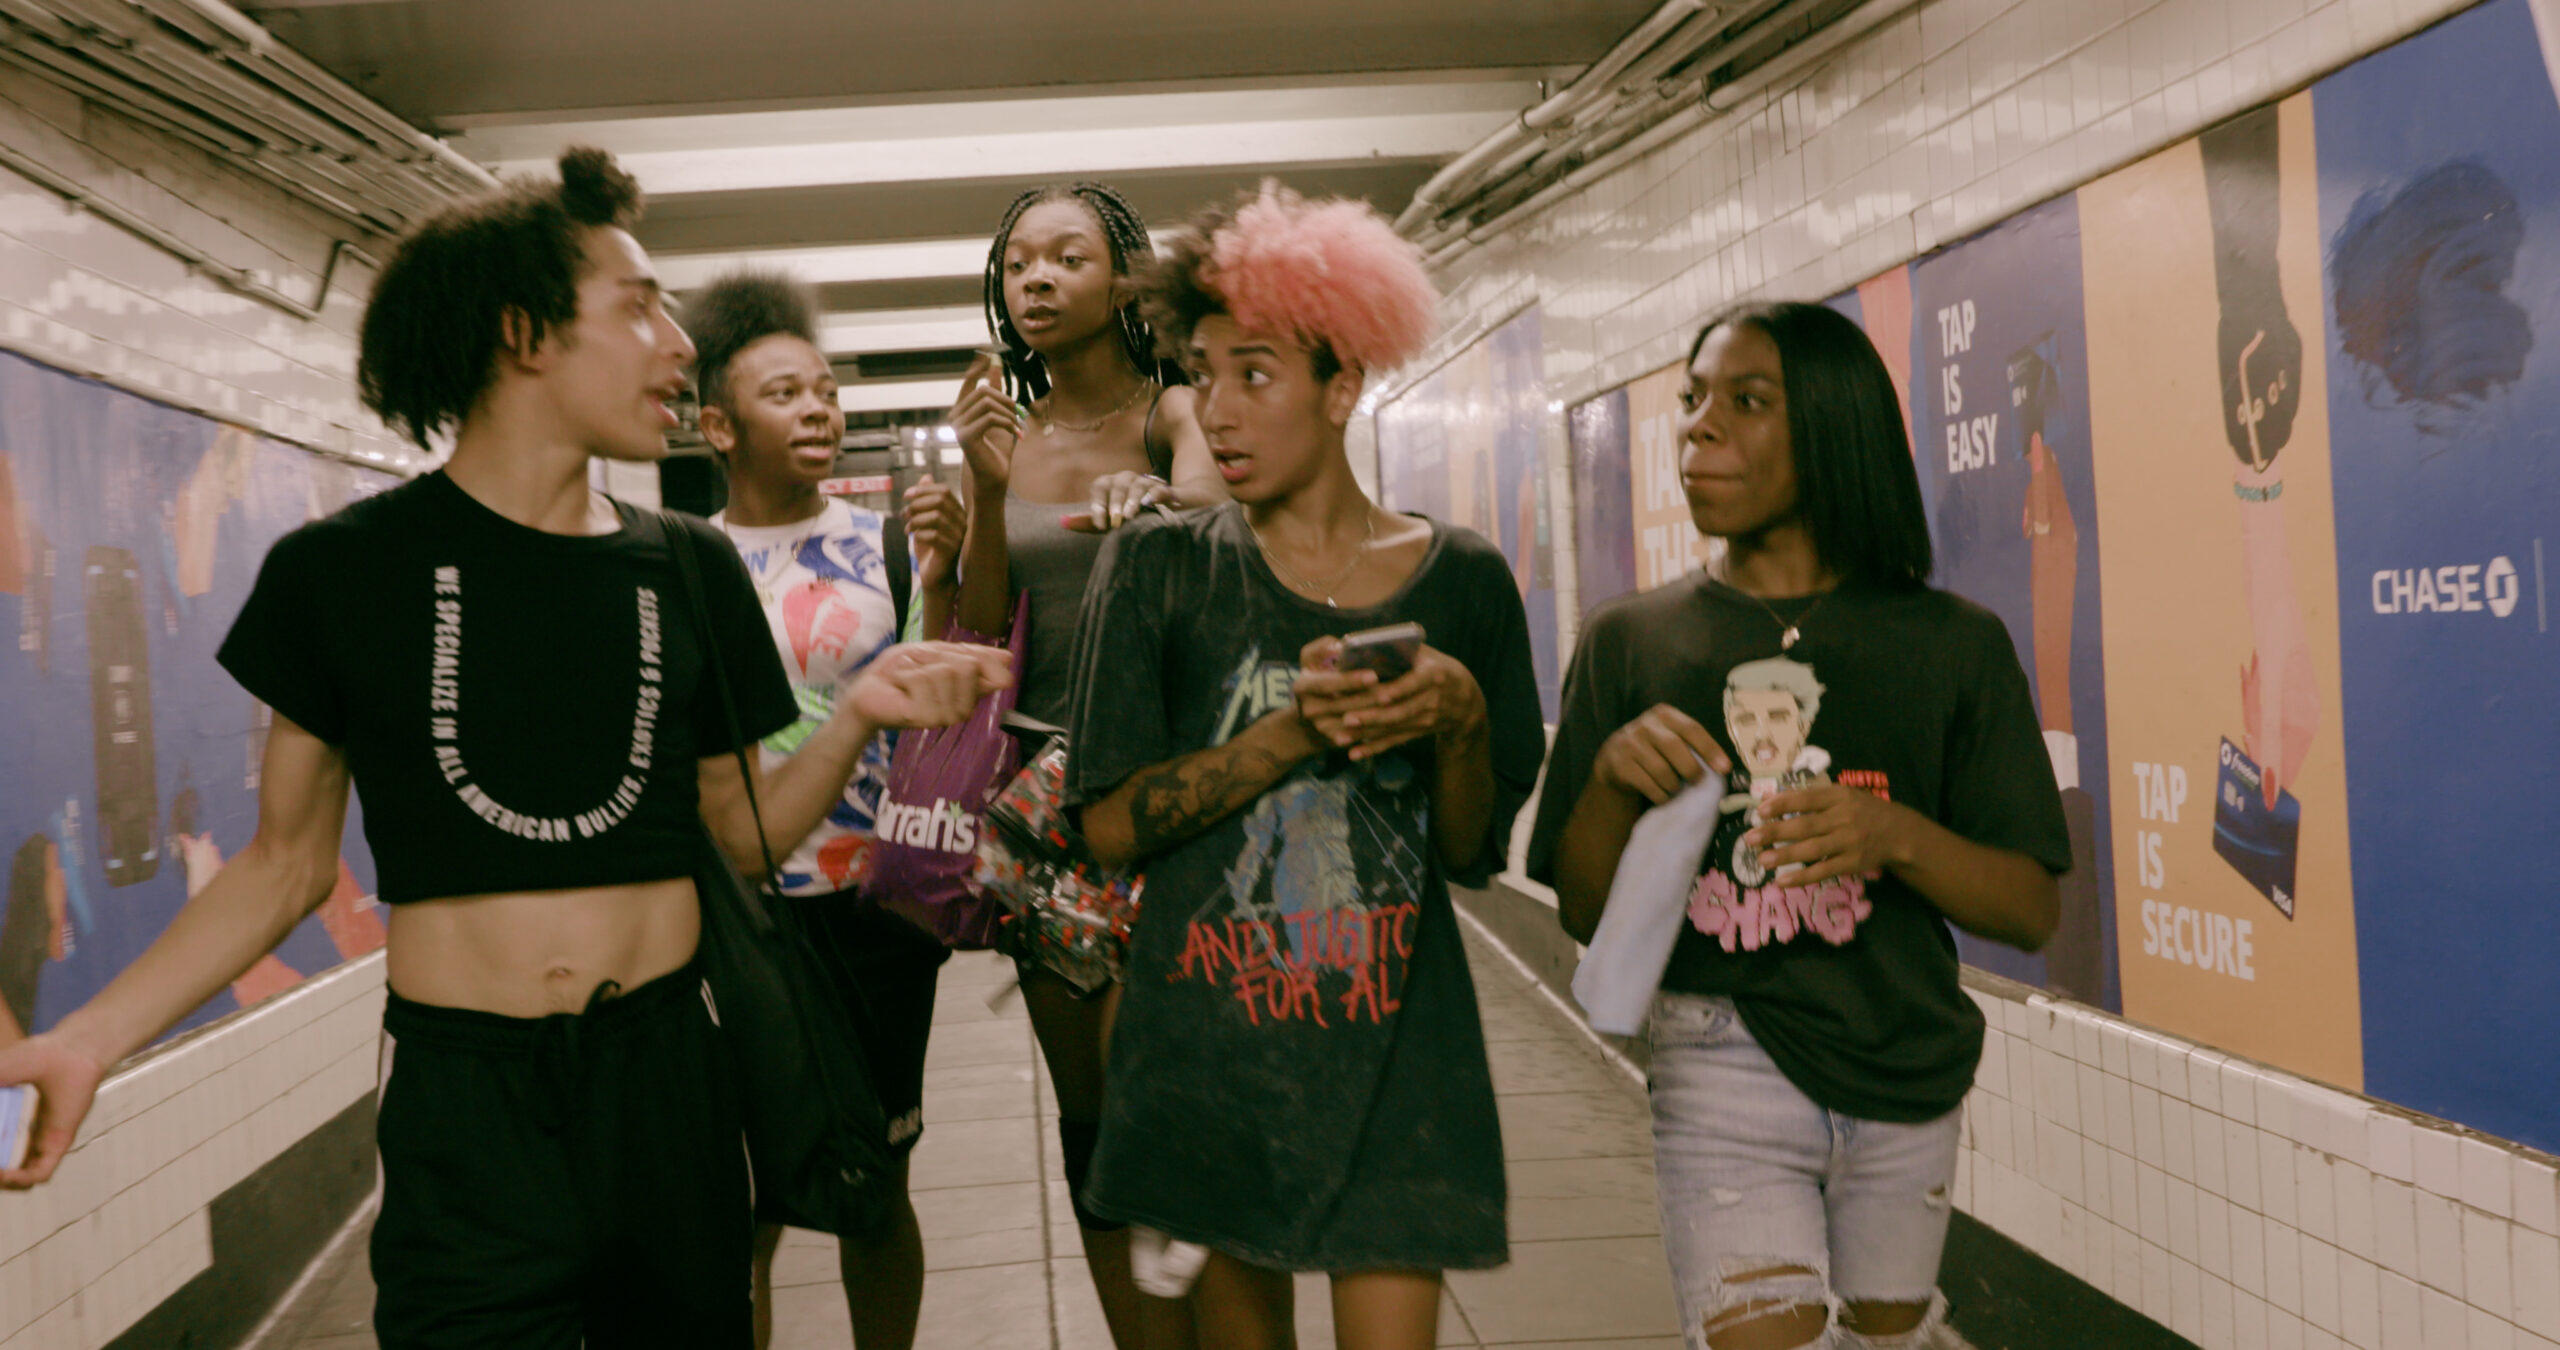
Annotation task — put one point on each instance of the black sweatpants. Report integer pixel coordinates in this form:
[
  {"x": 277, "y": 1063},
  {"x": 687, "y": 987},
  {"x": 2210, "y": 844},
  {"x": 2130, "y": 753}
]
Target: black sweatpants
[{"x": 564, "y": 1180}]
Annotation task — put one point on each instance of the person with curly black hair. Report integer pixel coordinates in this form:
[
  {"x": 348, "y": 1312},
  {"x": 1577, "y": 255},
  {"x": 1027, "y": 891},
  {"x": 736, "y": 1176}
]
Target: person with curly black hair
[
  {"x": 837, "y": 583},
  {"x": 506, "y": 664}
]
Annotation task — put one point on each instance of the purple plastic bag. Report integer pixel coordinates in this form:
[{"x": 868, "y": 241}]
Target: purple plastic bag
[{"x": 925, "y": 834}]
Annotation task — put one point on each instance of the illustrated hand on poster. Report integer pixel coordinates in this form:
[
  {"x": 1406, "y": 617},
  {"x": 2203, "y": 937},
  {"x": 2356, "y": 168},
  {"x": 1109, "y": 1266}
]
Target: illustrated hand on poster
[{"x": 2260, "y": 355}]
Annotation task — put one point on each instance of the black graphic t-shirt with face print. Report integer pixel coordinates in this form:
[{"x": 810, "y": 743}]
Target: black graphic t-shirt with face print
[
  {"x": 1914, "y": 695},
  {"x": 1298, "y": 1072},
  {"x": 520, "y": 711}
]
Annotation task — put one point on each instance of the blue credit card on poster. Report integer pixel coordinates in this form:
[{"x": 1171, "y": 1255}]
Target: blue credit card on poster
[
  {"x": 2261, "y": 843},
  {"x": 17, "y": 1124}
]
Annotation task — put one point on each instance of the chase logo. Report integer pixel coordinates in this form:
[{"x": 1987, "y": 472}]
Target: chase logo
[
  {"x": 945, "y": 826},
  {"x": 2464, "y": 589}
]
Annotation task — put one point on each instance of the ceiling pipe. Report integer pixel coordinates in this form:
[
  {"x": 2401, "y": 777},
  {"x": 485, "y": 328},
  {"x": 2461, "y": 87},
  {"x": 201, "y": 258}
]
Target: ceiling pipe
[
  {"x": 254, "y": 40},
  {"x": 99, "y": 83},
  {"x": 98, "y": 76},
  {"x": 1630, "y": 114},
  {"x": 1849, "y": 27},
  {"x": 1561, "y": 134},
  {"x": 1717, "y": 26},
  {"x": 209, "y": 76},
  {"x": 1656, "y": 27},
  {"x": 1722, "y": 99},
  {"x": 237, "y": 280},
  {"x": 1601, "y": 74}
]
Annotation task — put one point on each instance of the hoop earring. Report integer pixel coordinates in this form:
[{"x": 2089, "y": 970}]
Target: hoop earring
[{"x": 1134, "y": 339}]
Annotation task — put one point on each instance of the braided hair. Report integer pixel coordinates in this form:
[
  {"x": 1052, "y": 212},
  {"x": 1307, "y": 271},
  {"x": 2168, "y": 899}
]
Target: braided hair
[{"x": 1125, "y": 233}]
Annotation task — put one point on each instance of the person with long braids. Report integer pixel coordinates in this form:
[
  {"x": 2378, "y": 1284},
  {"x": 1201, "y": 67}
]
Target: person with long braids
[
  {"x": 1105, "y": 429},
  {"x": 503, "y": 661},
  {"x": 1297, "y": 1077}
]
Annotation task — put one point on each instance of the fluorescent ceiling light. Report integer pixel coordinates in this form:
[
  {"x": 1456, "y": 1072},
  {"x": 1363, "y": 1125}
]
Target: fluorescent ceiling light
[
  {"x": 903, "y": 330},
  {"x": 1037, "y": 155},
  {"x": 839, "y": 263},
  {"x": 915, "y": 119},
  {"x": 897, "y": 395}
]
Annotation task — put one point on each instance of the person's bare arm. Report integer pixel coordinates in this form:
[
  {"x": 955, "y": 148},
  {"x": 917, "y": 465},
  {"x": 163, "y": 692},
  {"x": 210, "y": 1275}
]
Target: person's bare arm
[
  {"x": 1195, "y": 472},
  {"x": 988, "y": 427},
  {"x": 248, "y": 908},
  {"x": 1165, "y": 804},
  {"x": 937, "y": 531},
  {"x": 916, "y": 684}
]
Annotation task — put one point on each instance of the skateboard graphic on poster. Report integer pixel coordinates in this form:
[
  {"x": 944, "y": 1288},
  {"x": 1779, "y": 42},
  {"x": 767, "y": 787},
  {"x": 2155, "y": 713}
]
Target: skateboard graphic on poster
[{"x": 120, "y": 717}]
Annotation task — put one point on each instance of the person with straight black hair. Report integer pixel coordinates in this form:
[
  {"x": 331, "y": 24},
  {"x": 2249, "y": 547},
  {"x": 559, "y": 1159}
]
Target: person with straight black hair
[
  {"x": 1106, "y": 429},
  {"x": 1847, "y": 761},
  {"x": 505, "y": 663}
]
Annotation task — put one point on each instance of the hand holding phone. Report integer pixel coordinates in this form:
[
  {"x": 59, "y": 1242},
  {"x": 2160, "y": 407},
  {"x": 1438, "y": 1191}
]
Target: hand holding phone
[{"x": 1388, "y": 651}]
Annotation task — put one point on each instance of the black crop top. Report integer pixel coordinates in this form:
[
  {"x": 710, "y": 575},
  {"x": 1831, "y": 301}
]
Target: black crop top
[{"x": 521, "y": 711}]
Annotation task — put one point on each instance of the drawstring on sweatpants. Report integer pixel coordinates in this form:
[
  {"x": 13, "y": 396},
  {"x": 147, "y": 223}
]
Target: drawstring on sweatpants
[{"x": 556, "y": 1057}]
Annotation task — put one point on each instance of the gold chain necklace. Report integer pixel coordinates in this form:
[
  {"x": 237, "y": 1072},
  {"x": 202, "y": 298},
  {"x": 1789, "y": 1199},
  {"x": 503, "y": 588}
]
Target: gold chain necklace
[
  {"x": 1368, "y": 535},
  {"x": 1040, "y": 411},
  {"x": 1792, "y": 631}
]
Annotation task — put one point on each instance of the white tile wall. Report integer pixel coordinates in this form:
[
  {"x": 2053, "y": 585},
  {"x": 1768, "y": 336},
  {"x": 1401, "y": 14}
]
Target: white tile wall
[
  {"x": 123, "y": 1224},
  {"x": 85, "y": 295},
  {"x": 2288, "y": 1239}
]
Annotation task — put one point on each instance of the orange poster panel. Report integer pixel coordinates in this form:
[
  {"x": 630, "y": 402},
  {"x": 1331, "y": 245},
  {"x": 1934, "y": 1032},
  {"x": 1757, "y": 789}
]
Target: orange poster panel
[
  {"x": 1667, "y": 542},
  {"x": 2216, "y": 546}
]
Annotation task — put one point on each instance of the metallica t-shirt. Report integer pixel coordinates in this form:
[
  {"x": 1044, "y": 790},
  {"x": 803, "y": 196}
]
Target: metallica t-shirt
[
  {"x": 1298, "y": 1072},
  {"x": 1914, "y": 695},
  {"x": 521, "y": 711}
]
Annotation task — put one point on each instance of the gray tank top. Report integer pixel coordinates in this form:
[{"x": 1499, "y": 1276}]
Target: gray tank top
[{"x": 1051, "y": 562}]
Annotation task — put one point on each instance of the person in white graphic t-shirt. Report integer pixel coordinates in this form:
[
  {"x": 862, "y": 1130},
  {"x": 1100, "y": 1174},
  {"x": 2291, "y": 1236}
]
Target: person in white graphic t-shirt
[{"x": 836, "y": 581}]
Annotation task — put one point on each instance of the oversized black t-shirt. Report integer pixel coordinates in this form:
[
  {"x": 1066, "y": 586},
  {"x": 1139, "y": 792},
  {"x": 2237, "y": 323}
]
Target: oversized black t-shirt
[
  {"x": 521, "y": 711},
  {"x": 1298, "y": 1072},
  {"x": 1915, "y": 695}
]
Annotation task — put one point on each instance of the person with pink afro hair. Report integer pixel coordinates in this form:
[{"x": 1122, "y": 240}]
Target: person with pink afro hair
[
  {"x": 1298, "y": 1075},
  {"x": 1330, "y": 272},
  {"x": 1333, "y": 275}
]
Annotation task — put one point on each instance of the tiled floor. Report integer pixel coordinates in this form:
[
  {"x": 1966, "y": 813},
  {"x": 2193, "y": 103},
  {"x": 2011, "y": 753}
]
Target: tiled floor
[{"x": 1005, "y": 1269}]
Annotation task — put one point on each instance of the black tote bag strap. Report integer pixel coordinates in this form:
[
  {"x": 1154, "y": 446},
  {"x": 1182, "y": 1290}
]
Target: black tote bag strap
[{"x": 689, "y": 571}]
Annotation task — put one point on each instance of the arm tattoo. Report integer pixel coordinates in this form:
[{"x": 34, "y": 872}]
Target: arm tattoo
[{"x": 1175, "y": 801}]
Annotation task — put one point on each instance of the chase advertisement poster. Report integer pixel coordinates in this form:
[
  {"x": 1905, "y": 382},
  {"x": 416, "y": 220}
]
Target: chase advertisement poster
[{"x": 2255, "y": 447}]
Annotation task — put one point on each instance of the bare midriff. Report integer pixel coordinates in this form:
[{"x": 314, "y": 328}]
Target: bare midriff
[{"x": 534, "y": 953}]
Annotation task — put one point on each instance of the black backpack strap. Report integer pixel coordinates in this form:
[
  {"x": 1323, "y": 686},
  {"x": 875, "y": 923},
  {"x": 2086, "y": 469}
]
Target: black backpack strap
[
  {"x": 679, "y": 537},
  {"x": 893, "y": 548}
]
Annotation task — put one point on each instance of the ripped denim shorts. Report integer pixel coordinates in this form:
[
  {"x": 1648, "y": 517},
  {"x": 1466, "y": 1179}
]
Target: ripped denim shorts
[{"x": 1754, "y": 1176}]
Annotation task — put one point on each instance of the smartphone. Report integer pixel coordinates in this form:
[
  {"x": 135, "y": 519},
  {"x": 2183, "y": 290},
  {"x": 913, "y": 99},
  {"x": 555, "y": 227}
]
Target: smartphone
[
  {"x": 17, "y": 1124},
  {"x": 1389, "y": 651}
]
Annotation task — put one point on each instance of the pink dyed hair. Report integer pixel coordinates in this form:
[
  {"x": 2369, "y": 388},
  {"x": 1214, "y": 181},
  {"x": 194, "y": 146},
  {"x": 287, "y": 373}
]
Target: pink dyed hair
[{"x": 1331, "y": 272}]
